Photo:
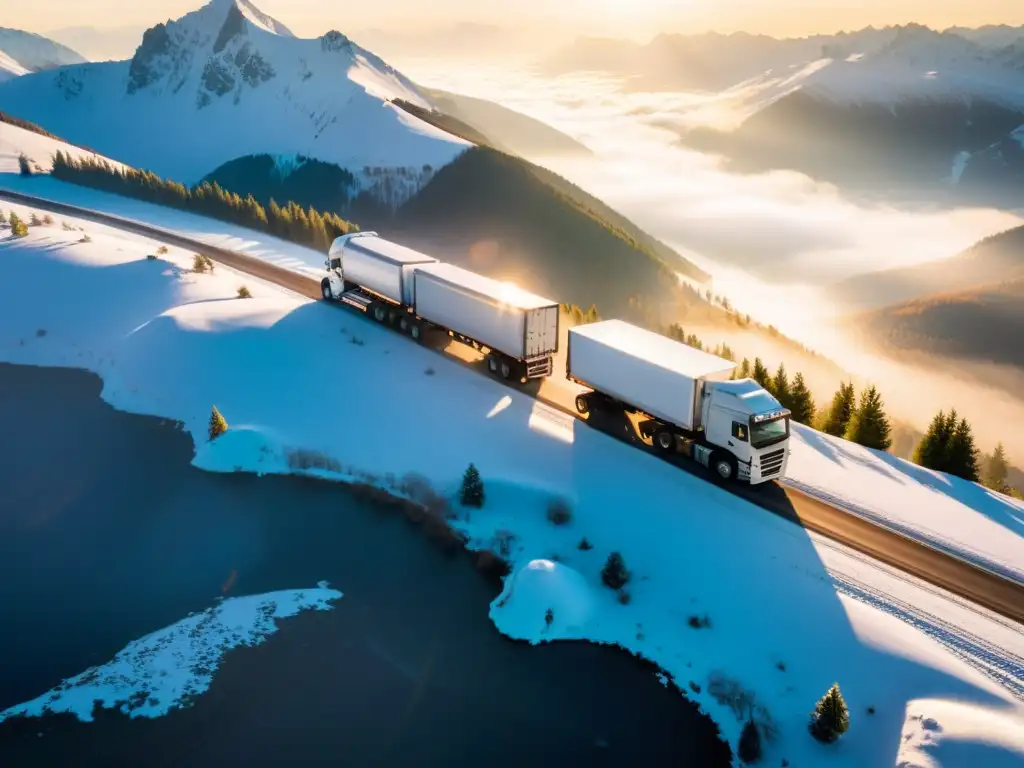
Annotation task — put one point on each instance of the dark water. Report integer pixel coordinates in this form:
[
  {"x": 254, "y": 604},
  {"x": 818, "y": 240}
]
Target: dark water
[{"x": 107, "y": 533}]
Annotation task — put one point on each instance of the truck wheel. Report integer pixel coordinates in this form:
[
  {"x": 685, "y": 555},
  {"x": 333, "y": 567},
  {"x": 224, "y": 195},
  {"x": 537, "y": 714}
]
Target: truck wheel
[
  {"x": 506, "y": 369},
  {"x": 665, "y": 440},
  {"x": 415, "y": 331},
  {"x": 392, "y": 316},
  {"x": 492, "y": 364},
  {"x": 583, "y": 404},
  {"x": 724, "y": 466},
  {"x": 325, "y": 289},
  {"x": 379, "y": 313}
]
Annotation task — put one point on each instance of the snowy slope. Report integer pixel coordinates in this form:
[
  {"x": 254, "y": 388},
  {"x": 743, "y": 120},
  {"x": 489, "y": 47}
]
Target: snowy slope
[
  {"x": 33, "y": 52},
  {"x": 38, "y": 148},
  {"x": 775, "y": 595},
  {"x": 10, "y": 68},
  {"x": 226, "y": 81},
  {"x": 957, "y": 516}
]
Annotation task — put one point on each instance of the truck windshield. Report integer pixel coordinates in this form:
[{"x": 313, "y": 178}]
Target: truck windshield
[{"x": 765, "y": 433}]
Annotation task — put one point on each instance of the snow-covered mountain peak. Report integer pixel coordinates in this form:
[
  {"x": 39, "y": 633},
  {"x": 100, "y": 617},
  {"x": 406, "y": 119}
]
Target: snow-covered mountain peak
[{"x": 226, "y": 81}]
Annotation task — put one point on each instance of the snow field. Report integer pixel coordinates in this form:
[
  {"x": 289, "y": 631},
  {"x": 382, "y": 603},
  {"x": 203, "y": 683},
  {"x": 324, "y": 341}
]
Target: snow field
[{"x": 171, "y": 342}]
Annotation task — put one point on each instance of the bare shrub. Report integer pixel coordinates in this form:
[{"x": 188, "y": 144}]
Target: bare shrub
[
  {"x": 559, "y": 511},
  {"x": 198, "y": 263},
  {"x": 244, "y": 293},
  {"x": 624, "y": 597},
  {"x": 743, "y": 703},
  {"x": 584, "y": 545},
  {"x": 503, "y": 541},
  {"x": 304, "y": 459},
  {"x": 47, "y": 219},
  {"x": 162, "y": 250},
  {"x": 699, "y": 622},
  {"x": 151, "y": 257},
  {"x": 85, "y": 238}
]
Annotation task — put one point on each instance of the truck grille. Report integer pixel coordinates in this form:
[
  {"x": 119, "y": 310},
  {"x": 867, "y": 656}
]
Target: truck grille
[{"x": 771, "y": 463}]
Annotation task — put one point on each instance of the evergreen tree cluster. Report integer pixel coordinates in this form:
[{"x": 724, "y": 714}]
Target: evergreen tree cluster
[
  {"x": 948, "y": 446},
  {"x": 997, "y": 470},
  {"x": 305, "y": 226},
  {"x": 865, "y": 423},
  {"x": 580, "y": 317}
]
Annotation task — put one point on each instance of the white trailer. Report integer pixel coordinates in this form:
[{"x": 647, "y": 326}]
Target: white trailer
[
  {"x": 399, "y": 286},
  {"x": 519, "y": 329},
  {"x": 685, "y": 398}
]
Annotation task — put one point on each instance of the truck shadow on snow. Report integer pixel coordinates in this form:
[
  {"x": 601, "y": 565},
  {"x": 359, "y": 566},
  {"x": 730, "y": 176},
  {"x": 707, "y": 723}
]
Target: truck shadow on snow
[{"x": 771, "y": 603}]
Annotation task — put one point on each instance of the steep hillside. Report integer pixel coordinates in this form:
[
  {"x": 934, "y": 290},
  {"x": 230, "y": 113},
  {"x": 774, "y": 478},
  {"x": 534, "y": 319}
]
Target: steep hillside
[
  {"x": 996, "y": 259},
  {"x": 982, "y": 324},
  {"x": 505, "y": 217},
  {"x": 226, "y": 81}
]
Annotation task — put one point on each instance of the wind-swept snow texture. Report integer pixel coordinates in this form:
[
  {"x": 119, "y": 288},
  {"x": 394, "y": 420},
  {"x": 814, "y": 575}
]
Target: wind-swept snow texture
[
  {"x": 32, "y": 52},
  {"x": 788, "y": 613},
  {"x": 227, "y": 81},
  {"x": 166, "y": 669}
]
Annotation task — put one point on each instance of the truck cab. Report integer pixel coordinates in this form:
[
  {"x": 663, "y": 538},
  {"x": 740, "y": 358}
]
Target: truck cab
[
  {"x": 334, "y": 285},
  {"x": 746, "y": 420}
]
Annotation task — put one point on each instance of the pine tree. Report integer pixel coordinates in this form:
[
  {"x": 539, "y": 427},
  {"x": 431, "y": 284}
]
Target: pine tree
[
  {"x": 472, "y": 494},
  {"x": 34, "y": 220},
  {"x": 997, "y": 469},
  {"x": 614, "y": 574},
  {"x": 780, "y": 387},
  {"x": 744, "y": 369},
  {"x": 749, "y": 750},
  {"x": 830, "y": 718},
  {"x": 3, "y": 218},
  {"x": 844, "y": 403},
  {"x": 801, "y": 401},
  {"x": 963, "y": 453},
  {"x": 933, "y": 449},
  {"x": 760, "y": 374},
  {"x": 218, "y": 425},
  {"x": 870, "y": 426},
  {"x": 24, "y": 168},
  {"x": 18, "y": 228}
]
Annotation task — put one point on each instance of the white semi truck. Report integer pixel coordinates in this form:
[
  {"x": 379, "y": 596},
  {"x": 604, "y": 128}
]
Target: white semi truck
[
  {"x": 398, "y": 286},
  {"x": 685, "y": 399}
]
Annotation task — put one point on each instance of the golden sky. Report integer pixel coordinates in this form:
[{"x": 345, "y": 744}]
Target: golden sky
[{"x": 634, "y": 18}]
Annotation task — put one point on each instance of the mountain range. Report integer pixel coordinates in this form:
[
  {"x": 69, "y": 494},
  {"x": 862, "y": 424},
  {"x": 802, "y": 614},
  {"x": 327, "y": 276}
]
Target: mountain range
[
  {"x": 25, "y": 52},
  {"x": 891, "y": 110},
  {"x": 228, "y": 94}
]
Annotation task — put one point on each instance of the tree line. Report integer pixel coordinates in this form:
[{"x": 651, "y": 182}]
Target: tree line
[
  {"x": 305, "y": 226},
  {"x": 947, "y": 446}
]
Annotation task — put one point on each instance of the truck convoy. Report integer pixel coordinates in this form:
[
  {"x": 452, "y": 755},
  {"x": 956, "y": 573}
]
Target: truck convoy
[{"x": 684, "y": 398}]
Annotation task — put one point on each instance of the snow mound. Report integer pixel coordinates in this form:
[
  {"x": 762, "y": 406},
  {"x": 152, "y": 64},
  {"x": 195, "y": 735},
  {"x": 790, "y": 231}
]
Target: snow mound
[
  {"x": 257, "y": 449},
  {"x": 538, "y": 587},
  {"x": 939, "y": 732},
  {"x": 165, "y": 669}
]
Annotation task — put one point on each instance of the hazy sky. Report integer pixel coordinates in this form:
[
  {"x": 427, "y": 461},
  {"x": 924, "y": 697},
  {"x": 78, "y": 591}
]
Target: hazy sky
[{"x": 638, "y": 18}]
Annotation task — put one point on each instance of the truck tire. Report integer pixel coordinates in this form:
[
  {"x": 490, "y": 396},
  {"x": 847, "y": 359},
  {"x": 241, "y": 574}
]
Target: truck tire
[
  {"x": 416, "y": 331},
  {"x": 723, "y": 466},
  {"x": 583, "y": 404},
  {"x": 665, "y": 440},
  {"x": 506, "y": 369},
  {"x": 380, "y": 313},
  {"x": 492, "y": 364},
  {"x": 325, "y": 290}
]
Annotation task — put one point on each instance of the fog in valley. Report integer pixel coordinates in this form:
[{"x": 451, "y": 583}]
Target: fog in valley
[{"x": 772, "y": 241}]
